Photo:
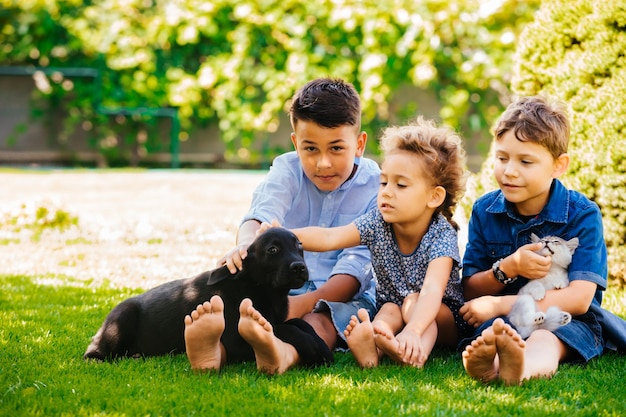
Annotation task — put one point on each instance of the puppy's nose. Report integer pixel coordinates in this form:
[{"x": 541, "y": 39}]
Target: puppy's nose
[{"x": 298, "y": 268}]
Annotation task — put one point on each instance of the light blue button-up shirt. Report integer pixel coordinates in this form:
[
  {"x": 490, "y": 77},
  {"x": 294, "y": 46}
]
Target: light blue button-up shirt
[{"x": 287, "y": 195}]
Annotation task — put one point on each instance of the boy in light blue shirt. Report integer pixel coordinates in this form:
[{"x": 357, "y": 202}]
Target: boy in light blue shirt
[{"x": 324, "y": 182}]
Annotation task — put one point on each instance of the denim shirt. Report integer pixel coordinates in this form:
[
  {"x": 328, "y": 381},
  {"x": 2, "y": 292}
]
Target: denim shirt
[
  {"x": 496, "y": 230},
  {"x": 287, "y": 195}
]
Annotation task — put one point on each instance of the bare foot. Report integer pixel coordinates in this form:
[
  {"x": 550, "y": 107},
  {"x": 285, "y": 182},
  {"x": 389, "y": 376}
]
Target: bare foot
[
  {"x": 479, "y": 357},
  {"x": 511, "y": 351},
  {"x": 273, "y": 356},
  {"x": 203, "y": 330},
  {"x": 387, "y": 343},
  {"x": 360, "y": 338}
]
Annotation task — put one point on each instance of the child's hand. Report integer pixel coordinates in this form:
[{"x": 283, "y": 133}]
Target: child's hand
[
  {"x": 529, "y": 264},
  {"x": 411, "y": 348},
  {"x": 234, "y": 258},
  {"x": 265, "y": 226},
  {"x": 478, "y": 310}
]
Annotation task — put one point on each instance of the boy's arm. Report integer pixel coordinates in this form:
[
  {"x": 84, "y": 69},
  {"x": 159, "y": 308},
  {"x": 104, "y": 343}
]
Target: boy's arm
[
  {"x": 245, "y": 235},
  {"x": 340, "y": 287},
  {"x": 524, "y": 261},
  {"x": 575, "y": 298}
]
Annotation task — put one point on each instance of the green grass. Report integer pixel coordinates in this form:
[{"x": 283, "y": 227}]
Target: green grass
[{"x": 45, "y": 329}]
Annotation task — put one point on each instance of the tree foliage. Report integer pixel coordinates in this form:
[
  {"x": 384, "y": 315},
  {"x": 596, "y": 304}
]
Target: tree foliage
[
  {"x": 575, "y": 51},
  {"x": 236, "y": 63}
]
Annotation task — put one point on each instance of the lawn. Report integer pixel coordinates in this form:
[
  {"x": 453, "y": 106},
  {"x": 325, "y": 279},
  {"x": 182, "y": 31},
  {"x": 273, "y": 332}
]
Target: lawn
[{"x": 138, "y": 229}]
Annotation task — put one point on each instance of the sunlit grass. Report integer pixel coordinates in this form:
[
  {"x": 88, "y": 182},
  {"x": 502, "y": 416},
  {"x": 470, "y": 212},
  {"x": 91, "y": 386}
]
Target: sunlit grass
[{"x": 47, "y": 324}]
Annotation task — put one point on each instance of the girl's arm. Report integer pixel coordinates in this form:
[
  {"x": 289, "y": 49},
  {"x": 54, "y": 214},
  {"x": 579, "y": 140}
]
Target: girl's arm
[
  {"x": 420, "y": 316},
  {"x": 322, "y": 239}
]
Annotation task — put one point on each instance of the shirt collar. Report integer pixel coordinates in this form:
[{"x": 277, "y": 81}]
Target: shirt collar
[{"x": 556, "y": 211}]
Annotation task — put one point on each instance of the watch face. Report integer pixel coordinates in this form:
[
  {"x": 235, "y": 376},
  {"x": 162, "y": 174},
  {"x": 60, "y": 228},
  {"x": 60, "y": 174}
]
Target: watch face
[{"x": 500, "y": 276}]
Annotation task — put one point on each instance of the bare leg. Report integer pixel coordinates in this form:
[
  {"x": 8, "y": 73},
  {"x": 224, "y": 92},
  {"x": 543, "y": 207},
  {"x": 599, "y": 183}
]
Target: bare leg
[
  {"x": 203, "y": 329},
  {"x": 360, "y": 337},
  {"x": 511, "y": 353},
  {"x": 479, "y": 357},
  {"x": 324, "y": 327},
  {"x": 273, "y": 356},
  {"x": 544, "y": 351}
]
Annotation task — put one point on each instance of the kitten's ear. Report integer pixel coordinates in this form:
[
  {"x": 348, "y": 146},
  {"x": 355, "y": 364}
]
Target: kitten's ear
[
  {"x": 534, "y": 238},
  {"x": 572, "y": 244}
]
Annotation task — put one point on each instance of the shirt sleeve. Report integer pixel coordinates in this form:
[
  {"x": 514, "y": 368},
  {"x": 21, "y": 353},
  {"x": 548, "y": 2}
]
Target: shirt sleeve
[
  {"x": 446, "y": 241},
  {"x": 589, "y": 261},
  {"x": 272, "y": 198}
]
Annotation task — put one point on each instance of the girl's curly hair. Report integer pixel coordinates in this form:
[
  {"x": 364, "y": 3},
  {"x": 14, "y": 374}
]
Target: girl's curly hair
[{"x": 442, "y": 153}]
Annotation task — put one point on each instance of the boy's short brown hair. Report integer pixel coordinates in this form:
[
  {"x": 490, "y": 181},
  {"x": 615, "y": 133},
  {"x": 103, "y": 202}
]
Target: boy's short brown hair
[
  {"x": 327, "y": 102},
  {"x": 535, "y": 119}
]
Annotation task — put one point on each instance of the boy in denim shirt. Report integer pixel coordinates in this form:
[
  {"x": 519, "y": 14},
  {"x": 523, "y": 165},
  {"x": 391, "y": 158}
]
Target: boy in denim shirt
[
  {"x": 531, "y": 140},
  {"x": 324, "y": 182}
]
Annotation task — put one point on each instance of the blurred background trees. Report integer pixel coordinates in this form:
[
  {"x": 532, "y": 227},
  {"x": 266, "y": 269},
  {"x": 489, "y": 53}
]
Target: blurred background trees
[{"x": 236, "y": 63}]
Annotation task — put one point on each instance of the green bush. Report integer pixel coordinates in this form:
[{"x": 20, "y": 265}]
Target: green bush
[
  {"x": 235, "y": 63},
  {"x": 574, "y": 51}
]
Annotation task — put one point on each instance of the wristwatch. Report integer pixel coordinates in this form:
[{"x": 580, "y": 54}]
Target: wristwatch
[{"x": 500, "y": 275}]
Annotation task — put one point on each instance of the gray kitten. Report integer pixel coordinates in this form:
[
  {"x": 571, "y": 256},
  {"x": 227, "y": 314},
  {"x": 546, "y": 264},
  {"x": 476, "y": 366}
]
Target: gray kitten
[{"x": 524, "y": 314}]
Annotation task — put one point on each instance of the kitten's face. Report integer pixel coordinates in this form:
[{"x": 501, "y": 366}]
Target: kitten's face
[{"x": 560, "y": 250}]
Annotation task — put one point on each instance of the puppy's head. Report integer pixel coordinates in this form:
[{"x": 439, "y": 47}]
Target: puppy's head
[{"x": 276, "y": 258}]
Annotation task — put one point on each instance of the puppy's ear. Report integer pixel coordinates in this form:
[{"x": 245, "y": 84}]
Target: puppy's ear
[{"x": 220, "y": 274}]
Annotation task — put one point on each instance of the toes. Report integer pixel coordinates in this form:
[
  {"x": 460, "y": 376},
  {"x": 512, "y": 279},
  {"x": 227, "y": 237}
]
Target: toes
[
  {"x": 363, "y": 315},
  {"x": 216, "y": 304}
]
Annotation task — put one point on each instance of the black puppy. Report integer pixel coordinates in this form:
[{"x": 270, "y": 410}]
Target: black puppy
[{"x": 152, "y": 323}]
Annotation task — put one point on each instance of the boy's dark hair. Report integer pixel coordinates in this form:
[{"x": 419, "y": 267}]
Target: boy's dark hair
[
  {"x": 327, "y": 102},
  {"x": 535, "y": 119}
]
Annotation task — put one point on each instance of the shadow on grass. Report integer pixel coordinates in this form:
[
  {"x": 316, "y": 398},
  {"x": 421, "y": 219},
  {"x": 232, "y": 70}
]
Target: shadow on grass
[{"x": 44, "y": 330}]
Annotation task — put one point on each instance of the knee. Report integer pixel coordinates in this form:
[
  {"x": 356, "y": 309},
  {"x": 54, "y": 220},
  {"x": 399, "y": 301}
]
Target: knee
[
  {"x": 323, "y": 326},
  {"x": 545, "y": 337},
  {"x": 410, "y": 300}
]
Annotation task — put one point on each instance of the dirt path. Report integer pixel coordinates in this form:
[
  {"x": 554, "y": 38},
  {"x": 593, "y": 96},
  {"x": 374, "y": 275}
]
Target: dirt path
[{"x": 135, "y": 229}]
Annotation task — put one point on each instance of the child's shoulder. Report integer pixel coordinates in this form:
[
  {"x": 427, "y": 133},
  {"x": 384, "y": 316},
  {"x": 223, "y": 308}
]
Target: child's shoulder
[
  {"x": 573, "y": 198},
  {"x": 287, "y": 158},
  {"x": 370, "y": 166},
  {"x": 579, "y": 199},
  {"x": 489, "y": 198}
]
